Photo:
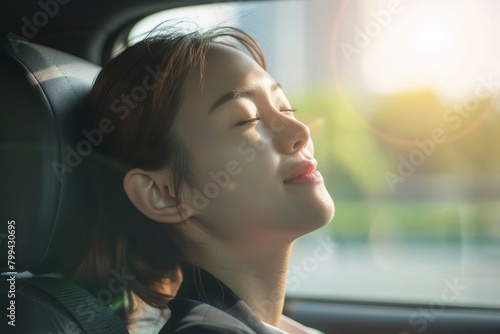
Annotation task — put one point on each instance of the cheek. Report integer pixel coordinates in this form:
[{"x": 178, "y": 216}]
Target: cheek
[
  {"x": 244, "y": 189},
  {"x": 238, "y": 177},
  {"x": 234, "y": 173},
  {"x": 241, "y": 174},
  {"x": 238, "y": 155}
]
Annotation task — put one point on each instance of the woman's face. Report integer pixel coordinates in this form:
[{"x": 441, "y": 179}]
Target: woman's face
[{"x": 247, "y": 148}]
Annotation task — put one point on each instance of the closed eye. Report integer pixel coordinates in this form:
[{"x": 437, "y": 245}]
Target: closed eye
[
  {"x": 248, "y": 121},
  {"x": 289, "y": 112},
  {"x": 255, "y": 119}
]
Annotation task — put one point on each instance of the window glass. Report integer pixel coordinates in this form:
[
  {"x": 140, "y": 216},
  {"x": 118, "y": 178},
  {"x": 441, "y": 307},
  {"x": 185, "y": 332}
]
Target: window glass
[{"x": 401, "y": 99}]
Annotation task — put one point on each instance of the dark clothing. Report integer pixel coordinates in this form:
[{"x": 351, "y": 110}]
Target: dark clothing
[{"x": 206, "y": 305}]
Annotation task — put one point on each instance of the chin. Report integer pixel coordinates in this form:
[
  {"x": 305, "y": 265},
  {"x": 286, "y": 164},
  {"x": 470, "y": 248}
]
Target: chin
[
  {"x": 323, "y": 215},
  {"x": 314, "y": 218},
  {"x": 329, "y": 210},
  {"x": 315, "y": 212},
  {"x": 323, "y": 208}
]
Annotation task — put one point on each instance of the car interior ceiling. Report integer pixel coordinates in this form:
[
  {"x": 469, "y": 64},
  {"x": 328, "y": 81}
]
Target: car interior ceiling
[
  {"x": 43, "y": 89},
  {"x": 87, "y": 29}
]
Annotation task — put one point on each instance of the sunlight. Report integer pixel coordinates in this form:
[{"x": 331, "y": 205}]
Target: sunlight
[
  {"x": 203, "y": 16},
  {"x": 433, "y": 38},
  {"x": 443, "y": 46}
]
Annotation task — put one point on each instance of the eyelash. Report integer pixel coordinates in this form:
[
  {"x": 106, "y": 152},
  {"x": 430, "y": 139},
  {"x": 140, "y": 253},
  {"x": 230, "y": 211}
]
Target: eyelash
[{"x": 258, "y": 118}]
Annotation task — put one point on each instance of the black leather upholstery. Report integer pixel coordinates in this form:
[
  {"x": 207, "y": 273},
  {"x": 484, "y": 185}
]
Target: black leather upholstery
[
  {"x": 42, "y": 113},
  {"x": 47, "y": 189},
  {"x": 38, "y": 312}
]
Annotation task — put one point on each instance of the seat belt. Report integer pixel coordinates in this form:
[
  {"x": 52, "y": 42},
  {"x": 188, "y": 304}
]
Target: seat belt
[{"x": 80, "y": 303}]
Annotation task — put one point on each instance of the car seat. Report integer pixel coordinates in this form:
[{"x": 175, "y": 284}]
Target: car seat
[{"x": 47, "y": 205}]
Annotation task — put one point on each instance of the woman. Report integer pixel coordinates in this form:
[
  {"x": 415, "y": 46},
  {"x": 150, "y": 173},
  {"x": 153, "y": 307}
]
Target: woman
[{"x": 218, "y": 174}]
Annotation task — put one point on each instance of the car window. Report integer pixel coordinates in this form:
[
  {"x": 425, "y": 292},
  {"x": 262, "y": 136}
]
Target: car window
[{"x": 401, "y": 100}]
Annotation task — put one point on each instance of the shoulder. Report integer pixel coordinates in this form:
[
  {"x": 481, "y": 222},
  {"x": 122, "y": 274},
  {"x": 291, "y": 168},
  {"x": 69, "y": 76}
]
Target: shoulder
[{"x": 194, "y": 317}]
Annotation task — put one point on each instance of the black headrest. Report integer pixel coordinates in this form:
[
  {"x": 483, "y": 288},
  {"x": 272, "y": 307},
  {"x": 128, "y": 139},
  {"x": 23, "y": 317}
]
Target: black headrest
[{"x": 46, "y": 189}]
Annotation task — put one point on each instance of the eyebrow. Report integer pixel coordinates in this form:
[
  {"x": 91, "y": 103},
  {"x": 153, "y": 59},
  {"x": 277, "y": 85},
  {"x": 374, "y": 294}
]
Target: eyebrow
[{"x": 236, "y": 94}]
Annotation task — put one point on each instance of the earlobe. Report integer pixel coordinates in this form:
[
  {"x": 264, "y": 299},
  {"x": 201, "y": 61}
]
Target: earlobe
[{"x": 152, "y": 194}]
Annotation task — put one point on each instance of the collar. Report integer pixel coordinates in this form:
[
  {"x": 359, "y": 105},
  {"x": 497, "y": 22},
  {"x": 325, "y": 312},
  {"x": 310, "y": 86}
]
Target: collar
[{"x": 200, "y": 286}]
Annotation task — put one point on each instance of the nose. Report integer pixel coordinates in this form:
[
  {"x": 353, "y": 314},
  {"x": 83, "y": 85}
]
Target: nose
[{"x": 294, "y": 135}]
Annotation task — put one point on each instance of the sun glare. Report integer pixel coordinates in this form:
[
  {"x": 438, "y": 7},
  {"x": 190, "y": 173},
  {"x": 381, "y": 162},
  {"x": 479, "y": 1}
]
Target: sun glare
[
  {"x": 443, "y": 46},
  {"x": 202, "y": 16},
  {"x": 433, "y": 38}
]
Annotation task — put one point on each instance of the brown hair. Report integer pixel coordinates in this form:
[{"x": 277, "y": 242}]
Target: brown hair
[{"x": 140, "y": 92}]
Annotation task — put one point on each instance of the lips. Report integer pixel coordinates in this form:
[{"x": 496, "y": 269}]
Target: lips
[{"x": 304, "y": 170}]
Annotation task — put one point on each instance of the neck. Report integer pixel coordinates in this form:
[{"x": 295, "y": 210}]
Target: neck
[{"x": 258, "y": 277}]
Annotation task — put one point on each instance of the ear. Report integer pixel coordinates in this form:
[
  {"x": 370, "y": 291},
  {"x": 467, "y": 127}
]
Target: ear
[{"x": 152, "y": 193}]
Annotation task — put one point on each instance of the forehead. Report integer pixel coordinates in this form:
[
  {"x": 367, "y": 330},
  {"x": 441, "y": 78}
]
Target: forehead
[{"x": 225, "y": 69}]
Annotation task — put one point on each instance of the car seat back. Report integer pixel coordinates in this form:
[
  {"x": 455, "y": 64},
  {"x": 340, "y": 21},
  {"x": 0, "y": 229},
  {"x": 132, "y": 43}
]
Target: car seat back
[{"x": 48, "y": 204}]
